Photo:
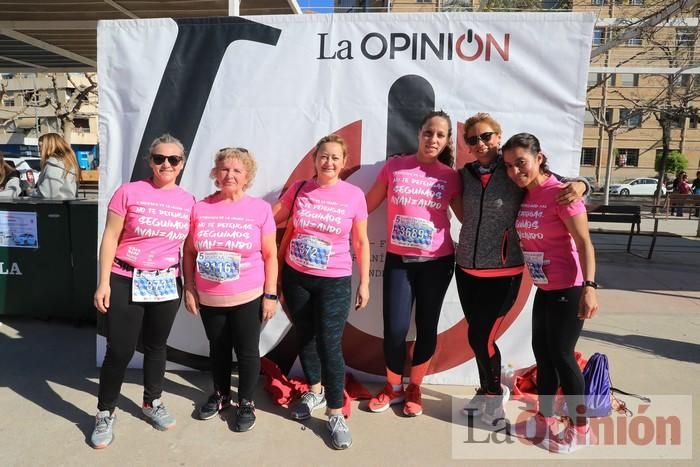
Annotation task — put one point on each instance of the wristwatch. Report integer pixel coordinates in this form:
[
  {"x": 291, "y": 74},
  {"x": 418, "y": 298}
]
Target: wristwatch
[
  {"x": 270, "y": 296},
  {"x": 593, "y": 284}
]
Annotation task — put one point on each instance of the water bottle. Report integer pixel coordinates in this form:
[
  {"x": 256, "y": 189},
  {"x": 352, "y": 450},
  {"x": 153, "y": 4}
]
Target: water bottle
[{"x": 507, "y": 375}]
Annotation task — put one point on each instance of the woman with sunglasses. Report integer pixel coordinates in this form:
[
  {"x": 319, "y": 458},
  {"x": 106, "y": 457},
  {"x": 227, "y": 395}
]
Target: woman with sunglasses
[
  {"x": 419, "y": 189},
  {"x": 328, "y": 216},
  {"x": 560, "y": 257},
  {"x": 230, "y": 270},
  {"x": 139, "y": 289},
  {"x": 489, "y": 260}
]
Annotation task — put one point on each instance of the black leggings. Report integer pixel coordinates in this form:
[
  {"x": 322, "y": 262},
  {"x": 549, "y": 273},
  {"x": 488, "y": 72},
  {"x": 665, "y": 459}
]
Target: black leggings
[
  {"x": 125, "y": 321},
  {"x": 319, "y": 307},
  {"x": 405, "y": 283},
  {"x": 485, "y": 302},
  {"x": 234, "y": 328},
  {"x": 555, "y": 330}
]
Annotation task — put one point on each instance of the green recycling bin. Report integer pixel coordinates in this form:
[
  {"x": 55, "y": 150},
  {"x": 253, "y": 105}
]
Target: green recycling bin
[
  {"x": 83, "y": 241},
  {"x": 36, "y": 278}
]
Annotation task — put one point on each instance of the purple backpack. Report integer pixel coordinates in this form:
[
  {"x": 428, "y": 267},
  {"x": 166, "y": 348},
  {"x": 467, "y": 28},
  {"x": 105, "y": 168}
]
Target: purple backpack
[
  {"x": 596, "y": 375},
  {"x": 598, "y": 393}
]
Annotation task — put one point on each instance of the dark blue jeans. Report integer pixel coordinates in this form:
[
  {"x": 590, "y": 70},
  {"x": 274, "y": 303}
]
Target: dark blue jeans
[
  {"x": 319, "y": 307},
  {"x": 405, "y": 283}
]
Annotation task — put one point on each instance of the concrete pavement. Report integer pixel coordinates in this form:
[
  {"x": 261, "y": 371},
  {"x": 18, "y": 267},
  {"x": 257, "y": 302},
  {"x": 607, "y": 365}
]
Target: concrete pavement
[{"x": 649, "y": 326}]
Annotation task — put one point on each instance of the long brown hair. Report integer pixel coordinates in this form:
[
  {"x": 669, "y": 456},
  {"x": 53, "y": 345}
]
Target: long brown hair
[
  {"x": 445, "y": 156},
  {"x": 5, "y": 169},
  {"x": 53, "y": 145}
]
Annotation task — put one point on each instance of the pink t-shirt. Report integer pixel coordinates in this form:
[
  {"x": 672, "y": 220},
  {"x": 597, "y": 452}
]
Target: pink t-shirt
[
  {"x": 156, "y": 223},
  {"x": 550, "y": 252},
  {"x": 418, "y": 198},
  {"x": 227, "y": 237},
  {"x": 323, "y": 218}
]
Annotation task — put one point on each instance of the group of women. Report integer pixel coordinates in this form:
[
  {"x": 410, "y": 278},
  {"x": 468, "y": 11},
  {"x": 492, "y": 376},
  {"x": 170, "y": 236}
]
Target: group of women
[
  {"x": 59, "y": 174},
  {"x": 514, "y": 213}
]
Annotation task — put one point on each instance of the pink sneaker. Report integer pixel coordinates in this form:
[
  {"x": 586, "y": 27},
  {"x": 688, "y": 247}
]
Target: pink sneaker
[
  {"x": 571, "y": 439},
  {"x": 535, "y": 429},
  {"x": 386, "y": 398},
  {"x": 414, "y": 404}
]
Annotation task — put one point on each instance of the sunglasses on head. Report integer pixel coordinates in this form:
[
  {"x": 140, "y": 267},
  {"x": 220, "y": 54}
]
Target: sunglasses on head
[
  {"x": 485, "y": 137},
  {"x": 233, "y": 149},
  {"x": 159, "y": 159}
]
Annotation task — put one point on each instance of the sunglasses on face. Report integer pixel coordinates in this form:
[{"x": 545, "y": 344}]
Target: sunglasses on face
[
  {"x": 484, "y": 137},
  {"x": 159, "y": 159}
]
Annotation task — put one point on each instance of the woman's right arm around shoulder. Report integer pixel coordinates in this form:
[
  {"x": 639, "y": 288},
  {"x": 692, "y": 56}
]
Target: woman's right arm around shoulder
[{"x": 108, "y": 251}]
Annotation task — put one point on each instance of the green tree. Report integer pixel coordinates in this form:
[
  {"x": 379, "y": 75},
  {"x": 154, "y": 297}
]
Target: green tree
[{"x": 675, "y": 162}]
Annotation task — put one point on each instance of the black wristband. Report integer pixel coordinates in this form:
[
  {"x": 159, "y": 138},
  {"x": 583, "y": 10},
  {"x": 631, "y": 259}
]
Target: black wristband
[
  {"x": 270, "y": 296},
  {"x": 590, "y": 284}
]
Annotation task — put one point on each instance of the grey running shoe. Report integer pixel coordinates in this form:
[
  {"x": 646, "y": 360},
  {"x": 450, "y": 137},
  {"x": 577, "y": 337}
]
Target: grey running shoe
[
  {"x": 245, "y": 416},
  {"x": 340, "y": 433},
  {"x": 475, "y": 406},
  {"x": 158, "y": 416},
  {"x": 102, "y": 435},
  {"x": 309, "y": 402},
  {"x": 213, "y": 405},
  {"x": 494, "y": 413}
]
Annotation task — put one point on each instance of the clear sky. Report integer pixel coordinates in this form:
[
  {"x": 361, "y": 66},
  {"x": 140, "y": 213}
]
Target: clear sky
[{"x": 321, "y": 6}]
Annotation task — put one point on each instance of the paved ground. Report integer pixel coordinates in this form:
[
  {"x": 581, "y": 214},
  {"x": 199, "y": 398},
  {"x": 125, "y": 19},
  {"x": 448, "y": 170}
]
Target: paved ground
[{"x": 649, "y": 326}]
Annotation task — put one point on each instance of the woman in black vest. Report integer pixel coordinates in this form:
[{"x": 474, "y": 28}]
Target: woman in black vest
[{"x": 489, "y": 260}]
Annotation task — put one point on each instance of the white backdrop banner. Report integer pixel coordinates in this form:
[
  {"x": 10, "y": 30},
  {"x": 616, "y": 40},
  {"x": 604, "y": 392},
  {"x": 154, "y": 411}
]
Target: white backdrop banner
[{"x": 276, "y": 84}]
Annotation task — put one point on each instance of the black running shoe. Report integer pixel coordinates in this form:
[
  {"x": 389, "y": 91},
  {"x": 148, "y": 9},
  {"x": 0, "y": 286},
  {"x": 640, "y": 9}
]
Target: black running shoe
[
  {"x": 213, "y": 405},
  {"x": 245, "y": 416}
]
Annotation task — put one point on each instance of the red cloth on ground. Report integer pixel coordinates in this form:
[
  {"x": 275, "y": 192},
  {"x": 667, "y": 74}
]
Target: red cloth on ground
[
  {"x": 525, "y": 386},
  {"x": 284, "y": 391}
]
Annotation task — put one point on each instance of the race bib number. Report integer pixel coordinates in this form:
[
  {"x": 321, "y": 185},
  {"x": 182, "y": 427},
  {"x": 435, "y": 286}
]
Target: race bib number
[
  {"x": 535, "y": 264},
  {"x": 412, "y": 232},
  {"x": 154, "y": 286},
  {"x": 310, "y": 251},
  {"x": 219, "y": 266}
]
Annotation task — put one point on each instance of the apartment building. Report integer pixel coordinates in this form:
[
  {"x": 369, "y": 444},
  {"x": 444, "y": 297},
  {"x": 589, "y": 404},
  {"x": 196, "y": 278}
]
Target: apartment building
[
  {"x": 33, "y": 104},
  {"x": 623, "y": 82}
]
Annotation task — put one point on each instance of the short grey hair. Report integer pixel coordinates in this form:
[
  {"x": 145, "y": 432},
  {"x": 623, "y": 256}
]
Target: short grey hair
[{"x": 167, "y": 138}]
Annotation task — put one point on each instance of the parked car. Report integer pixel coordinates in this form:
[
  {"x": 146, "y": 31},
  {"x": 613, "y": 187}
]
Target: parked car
[
  {"x": 27, "y": 166},
  {"x": 636, "y": 186},
  {"x": 595, "y": 186}
]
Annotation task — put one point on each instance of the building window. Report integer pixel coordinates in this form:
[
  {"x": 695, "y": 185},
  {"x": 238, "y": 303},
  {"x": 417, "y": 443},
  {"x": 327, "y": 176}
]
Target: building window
[
  {"x": 637, "y": 2},
  {"x": 424, "y": 1},
  {"x": 694, "y": 120},
  {"x": 686, "y": 80},
  {"x": 629, "y": 156},
  {"x": 630, "y": 118},
  {"x": 598, "y": 36},
  {"x": 81, "y": 125},
  {"x": 589, "y": 116},
  {"x": 628, "y": 79},
  {"x": 634, "y": 42},
  {"x": 8, "y": 102},
  {"x": 588, "y": 156},
  {"x": 594, "y": 78},
  {"x": 685, "y": 37}
]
